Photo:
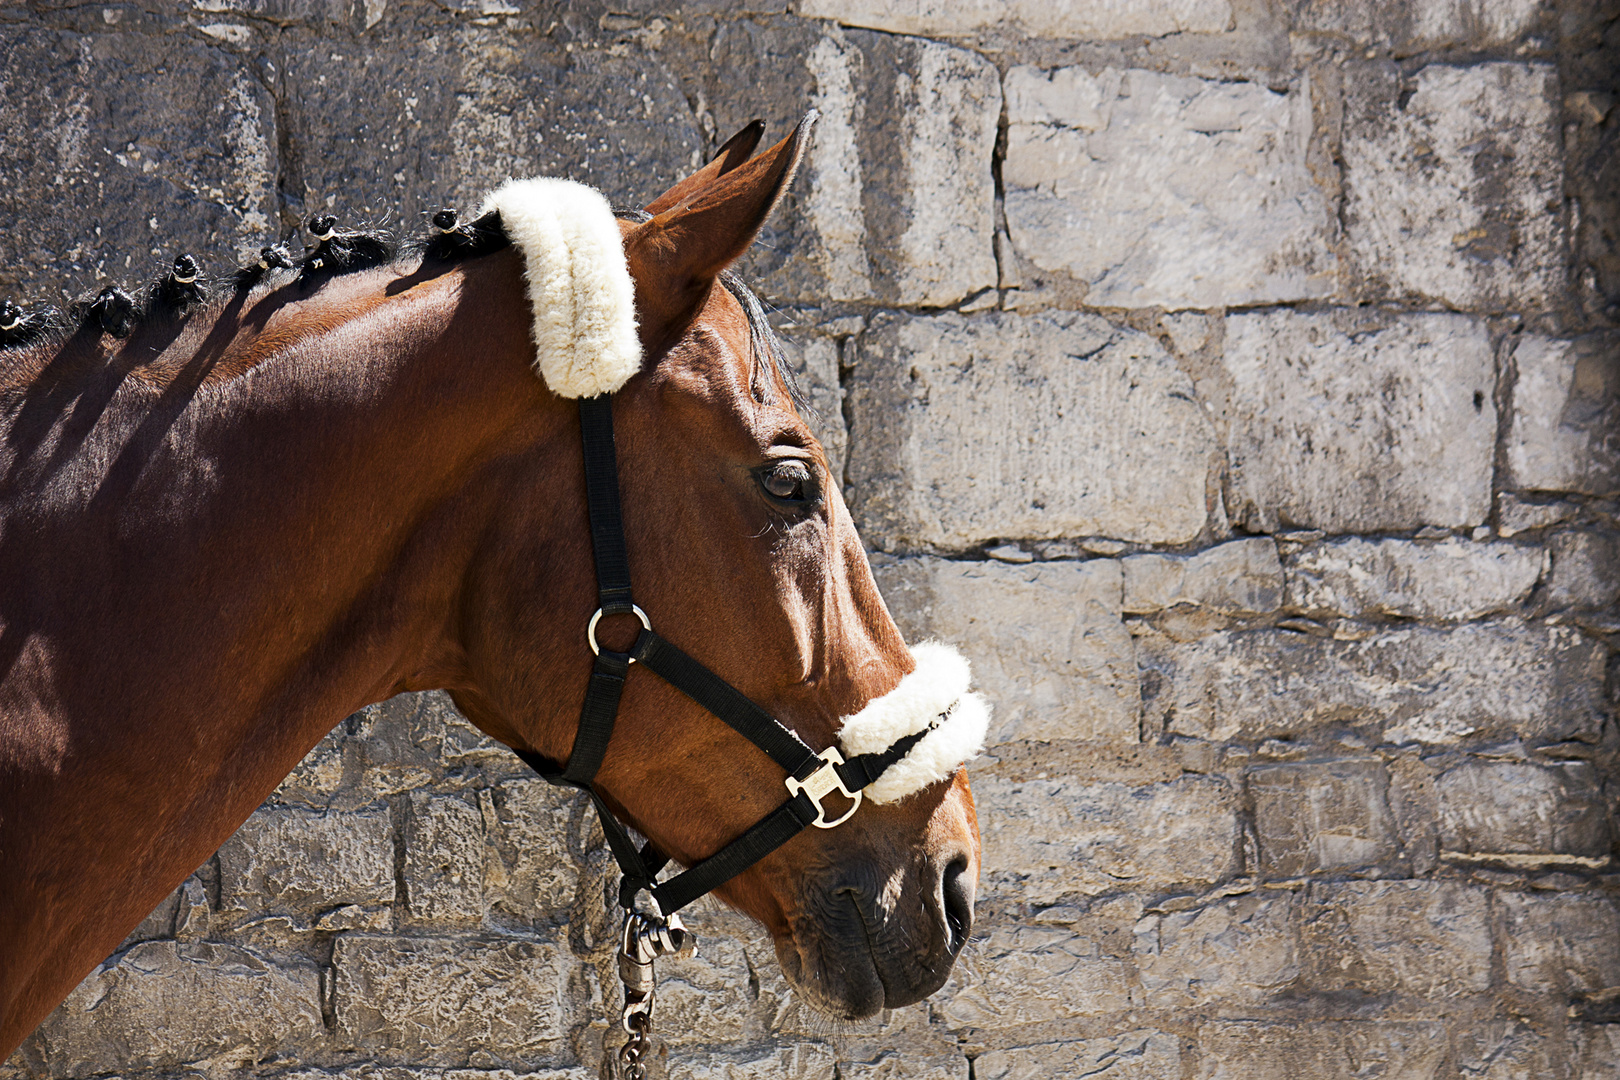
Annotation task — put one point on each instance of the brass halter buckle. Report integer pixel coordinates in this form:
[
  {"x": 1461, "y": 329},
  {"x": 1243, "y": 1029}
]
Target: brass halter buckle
[{"x": 823, "y": 782}]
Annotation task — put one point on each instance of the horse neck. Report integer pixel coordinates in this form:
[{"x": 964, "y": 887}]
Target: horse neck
[{"x": 202, "y": 589}]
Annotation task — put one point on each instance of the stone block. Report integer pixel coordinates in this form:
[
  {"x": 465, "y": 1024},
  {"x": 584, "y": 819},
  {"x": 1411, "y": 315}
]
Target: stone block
[
  {"x": 1427, "y": 939},
  {"x": 1045, "y": 640},
  {"x": 537, "y": 869},
  {"x": 441, "y": 115},
  {"x": 906, "y": 1065},
  {"x": 1328, "y": 815},
  {"x": 1454, "y": 184},
  {"x": 1028, "y": 18},
  {"x": 1413, "y": 684},
  {"x": 1564, "y": 944},
  {"x": 1564, "y": 432},
  {"x": 1523, "y": 809},
  {"x": 798, "y": 1061},
  {"x": 1320, "y": 1050},
  {"x": 319, "y": 776},
  {"x": 1357, "y": 421},
  {"x": 1046, "y": 838},
  {"x": 1133, "y": 1055},
  {"x": 164, "y": 1003},
  {"x": 1236, "y": 952},
  {"x": 444, "y": 859},
  {"x": 102, "y": 165},
  {"x": 1585, "y": 570},
  {"x": 1138, "y": 184},
  {"x": 433, "y": 1001},
  {"x": 1597, "y": 1052},
  {"x": 1506, "y": 1050},
  {"x": 1030, "y": 974},
  {"x": 970, "y": 428},
  {"x": 1454, "y": 579},
  {"x": 705, "y": 998},
  {"x": 1243, "y": 577},
  {"x": 896, "y": 203},
  {"x": 287, "y": 858},
  {"x": 1416, "y": 26},
  {"x": 1515, "y": 515}
]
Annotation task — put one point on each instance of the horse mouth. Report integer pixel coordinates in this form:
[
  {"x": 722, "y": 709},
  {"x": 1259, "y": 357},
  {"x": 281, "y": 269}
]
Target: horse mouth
[{"x": 857, "y": 959}]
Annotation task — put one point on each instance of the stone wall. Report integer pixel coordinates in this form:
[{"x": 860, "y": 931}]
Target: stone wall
[{"x": 1237, "y": 380}]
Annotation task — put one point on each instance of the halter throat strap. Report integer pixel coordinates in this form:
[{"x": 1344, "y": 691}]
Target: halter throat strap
[{"x": 809, "y": 775}]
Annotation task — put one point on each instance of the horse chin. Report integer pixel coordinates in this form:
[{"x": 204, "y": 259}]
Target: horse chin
[{"x": 842, "y": 971}]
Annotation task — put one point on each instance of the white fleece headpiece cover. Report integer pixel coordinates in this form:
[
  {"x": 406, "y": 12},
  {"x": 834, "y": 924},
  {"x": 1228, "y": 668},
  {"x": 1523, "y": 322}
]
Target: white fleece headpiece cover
[
  {"x": 938, "y": 688},
  {"x": 579, "y": 285}
]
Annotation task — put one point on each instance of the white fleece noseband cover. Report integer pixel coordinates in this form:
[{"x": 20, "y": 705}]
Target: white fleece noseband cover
[
  {"x": 579, "y": 285},
  {"x": 938, "y": 688}
]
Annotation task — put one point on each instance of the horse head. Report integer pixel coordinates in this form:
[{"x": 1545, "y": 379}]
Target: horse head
[{"x": 745, "y": 556}]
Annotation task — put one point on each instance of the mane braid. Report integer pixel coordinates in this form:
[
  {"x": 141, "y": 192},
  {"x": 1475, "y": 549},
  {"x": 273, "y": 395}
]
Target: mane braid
[
  {"x": 342, "y": 251},
  {"x": 112, "y": 311},
  {"x": 19, "y": 327},
  {"x": 451, "y": 241},
  {"x": 178, "y": 292}
]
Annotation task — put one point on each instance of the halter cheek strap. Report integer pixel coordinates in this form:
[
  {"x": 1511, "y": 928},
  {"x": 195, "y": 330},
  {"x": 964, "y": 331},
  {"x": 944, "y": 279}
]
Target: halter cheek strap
[{"x": 917, "y": 734}]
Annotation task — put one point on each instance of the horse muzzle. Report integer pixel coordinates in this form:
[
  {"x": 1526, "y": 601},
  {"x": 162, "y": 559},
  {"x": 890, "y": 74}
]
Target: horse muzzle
[{"x": 870, "y": 934}]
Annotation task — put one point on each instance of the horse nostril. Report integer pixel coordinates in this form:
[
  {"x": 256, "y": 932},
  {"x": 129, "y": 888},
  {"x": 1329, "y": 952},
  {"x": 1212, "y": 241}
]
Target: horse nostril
[{"x": 956, "y": 899}]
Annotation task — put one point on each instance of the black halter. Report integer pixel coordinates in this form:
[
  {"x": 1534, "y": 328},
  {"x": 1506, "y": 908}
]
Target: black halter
[{"x": 810, "y": 776}]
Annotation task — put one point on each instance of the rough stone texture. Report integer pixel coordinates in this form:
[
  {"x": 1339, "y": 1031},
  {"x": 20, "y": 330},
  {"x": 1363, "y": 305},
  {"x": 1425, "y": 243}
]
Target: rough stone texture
[
  {"x": 1424, "y": 685},
  {"x": 1426, "y": 939},
  {"x": 1046, "y": 838},
  {"x": 1045, "y": 641},
  {"x": 1351, "y": 421},
  {"x": 1565, "y": 433},
  {"x": 434, "y": 1001},
  {"x": 1132, "y": 1055},
  {"x": 1240, "y": 578},
  {"x": 163, "y": 1003},
  {"x": 1138, "y": 185},
  {"x": 1454, "y": 187},
  {"x": 1585, "y": 570},
  {"x": 1560, "y": 944},
  {"x": 1453, "y": 579},
  {"x": 1311, "y": 816},
  {"x": 1024, "y": 975},
  {"x": 100, "y": 173},
  {"x": 535, "y": 871},
  {"x": 290, "y": 856},
  {"x": 1331, "y": 1051},
  {"x": 897, "y": 204},
  {"x": 1514, "y": 808},
  {"x": 1237, "y": 951},
  {"x": 1333, "y": 802},
  {"x": 1097, "y": 22},
  {"x": 1413, "y": 27},
  {"x": 444, "y": 859},
  {"x": 965, "y": 429}
]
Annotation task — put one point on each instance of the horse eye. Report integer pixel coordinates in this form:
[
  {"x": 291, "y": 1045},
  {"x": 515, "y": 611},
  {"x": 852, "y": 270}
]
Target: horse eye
[{"x": 786, "y": 480}]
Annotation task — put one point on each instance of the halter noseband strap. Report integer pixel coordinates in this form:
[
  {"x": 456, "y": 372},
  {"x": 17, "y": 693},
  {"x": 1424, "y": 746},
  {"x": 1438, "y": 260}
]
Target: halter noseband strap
[{"x": 811, "y": 776}]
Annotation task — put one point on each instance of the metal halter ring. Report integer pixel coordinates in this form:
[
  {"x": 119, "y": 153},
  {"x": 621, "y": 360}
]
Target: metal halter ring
[{"x": 590, "y": 631}]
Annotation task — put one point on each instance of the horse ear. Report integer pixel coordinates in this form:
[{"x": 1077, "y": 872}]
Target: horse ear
[
  {"x": 675, "y": 257},
  {"x": 732, "y": 154}
]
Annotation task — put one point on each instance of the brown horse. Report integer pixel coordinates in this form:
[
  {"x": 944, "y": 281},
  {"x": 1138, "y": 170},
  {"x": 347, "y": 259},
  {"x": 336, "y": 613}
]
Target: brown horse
[{"x": 249, "y": 517}]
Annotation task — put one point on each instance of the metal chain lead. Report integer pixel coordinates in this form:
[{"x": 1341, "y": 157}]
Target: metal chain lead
[{"x": 644, "y": 939}]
